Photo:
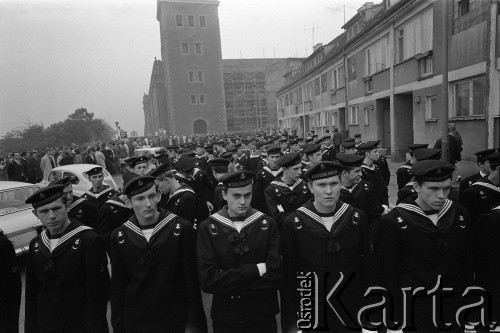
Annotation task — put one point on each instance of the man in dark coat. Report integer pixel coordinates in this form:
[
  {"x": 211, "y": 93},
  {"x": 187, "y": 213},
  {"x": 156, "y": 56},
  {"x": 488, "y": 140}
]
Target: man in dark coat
[
  {"x": 10, "y": 288},
  {"x": 239, "y": 261},
  {"x": 329, "y": 152},
  {"x": 284, "y": 195},
  {"x": 67, "y": 280},
  {"x": 35, "y": 163},
  {"x": 154, "y": 285},
  {"x": 359, "y": 193},
  {"x": 219, "y": 167},
  {"x": 484, "y": 169},
  {"x": 28, "y": 168},
  {"x": 265, "y": 176},
  {"x": 371, "y": 171},
  {"x": 15, "y": 169},
  {"x": 403, "y": 175},
  {"x": 99, "y": 193},
  {"x": 330, "y": 240},
  {"x": 424, "y": 242}
]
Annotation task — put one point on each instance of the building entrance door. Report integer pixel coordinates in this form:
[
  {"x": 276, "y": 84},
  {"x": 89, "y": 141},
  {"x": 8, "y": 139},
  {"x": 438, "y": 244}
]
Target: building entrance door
[{"x": 200, "y": 127}]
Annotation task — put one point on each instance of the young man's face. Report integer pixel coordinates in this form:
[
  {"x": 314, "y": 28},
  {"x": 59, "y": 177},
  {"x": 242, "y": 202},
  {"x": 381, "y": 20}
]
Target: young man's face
[
  {"x": 141, "y": 169},
  {"x": 433, "y": 195},
  {"x": 145, "y": 204},
  {"x": 294, "y": 148},
  {"x": 293, "y": 172},
  {"x": 326, "y": 191},
  {"x": 163, "y": 184},
  {"x": 54, "y": 216},
  {"x": 373, "y": 154},
  {"x": 97, "y": 180},
  {"x": 485, "y": 167},
  {"x": 68, "y": 191},
  {"x": 353, "y": 176},
  {"x": 315, "y": 158},
  {"x": 238, "y": 200},
  {"x": 273, "y": 160}
]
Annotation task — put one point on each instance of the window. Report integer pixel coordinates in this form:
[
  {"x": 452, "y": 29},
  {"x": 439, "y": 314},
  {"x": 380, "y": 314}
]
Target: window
[
  {"x": 198, "y": 47},
  {"x": 376, "y": 56},
  {"x": 194, "y": 100},
  {"x": 191, "y": 77},
  {"x": 351, "y": 67},
  {"x": 463, "y": 7},
  {"x": 287, "y": 101},
  {"x": 470, "y": 97},
  {"x": 425, "y": 66},
  {"x": 338, "y": 77},
  {"x": 298, "y": 95},
  {"x": 467, "y": 13},
  {"x": 431, "y": 111},
  {"x": 178, "y": 20},
  {"x": 367, "y": 116},
  {"x": 317, "y": 88},
  {"x": 323, "y": 83},
  {"x": 353, "y": 115},
  {"x": 307, "y": 92},
  {"x": 202, "y": 21},
  {"x": 190, "y": 20},
  {"x": 203, "y": 99},
  {"x": 200, "y": 76},
  {"x": 184, "y": 48},
  {"x": 415, "y": 36},
  {"x": 368, "y": 85}
]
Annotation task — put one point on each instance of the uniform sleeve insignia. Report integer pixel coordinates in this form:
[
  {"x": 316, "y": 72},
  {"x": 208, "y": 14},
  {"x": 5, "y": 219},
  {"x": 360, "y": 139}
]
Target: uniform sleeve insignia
[
  {"x": 37, "y": 247},
  {"x": 400, "y": 219},
  {"x": 276, "y": 190},
  {"x": 297, "y": 223},
  {"x": 482, "y": 194},
  {"x": 355, "y": 218},
  {"x": 120, "y": 237},
  {"x": 366, "y": 187},
  {"x": 265, "y": 225},
  {"x": 76, "y": 245},
  {"x": 177, "y": 230},
  {"x": 470, "y": 182},
  {"x": 213, "y": 230}
]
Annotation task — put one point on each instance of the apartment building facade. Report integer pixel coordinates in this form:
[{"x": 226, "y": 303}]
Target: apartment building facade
[{"x": 382, "y": 78}]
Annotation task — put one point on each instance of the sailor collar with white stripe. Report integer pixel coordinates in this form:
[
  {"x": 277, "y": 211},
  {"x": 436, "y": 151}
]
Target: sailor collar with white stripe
[
  {"x": 97, "y": 195},
  {"x": 405, "y": 166},
  {"x": 117, "y": 203},
  {"x": 46, "y": 240},
  {"x": 273, "y": 172},
  {"x": 179, "y": 191},
  {"x": 488, "y": 185},
  {"x": 350, "y": 189},
  {"x": 496, "y": 208},
  {"x": 134, "y": 228},
  {"x": 342, "y": 209},
  {"x": 416, "y": 209},
  {"x": 226, "y": 221},
  {"x": 279, "y": 182},
  {"x": 76, "y": 203},
  {"x": 410, "y": 184},
  {"x": 371, "y": 168}
]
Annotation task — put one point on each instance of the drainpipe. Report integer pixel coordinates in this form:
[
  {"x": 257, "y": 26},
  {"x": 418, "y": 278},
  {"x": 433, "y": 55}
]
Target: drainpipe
[
  {"x": 346, "y": 81},
  {"x": 445, "y": 141}
]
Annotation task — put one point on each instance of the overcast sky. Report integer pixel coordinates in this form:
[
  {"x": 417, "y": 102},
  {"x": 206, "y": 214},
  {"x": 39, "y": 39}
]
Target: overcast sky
[{"x": 57, "y": 56}]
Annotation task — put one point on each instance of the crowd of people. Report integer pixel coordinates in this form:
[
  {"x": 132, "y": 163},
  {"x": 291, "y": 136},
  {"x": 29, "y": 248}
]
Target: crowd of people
[{"x": 250, "y": 216}]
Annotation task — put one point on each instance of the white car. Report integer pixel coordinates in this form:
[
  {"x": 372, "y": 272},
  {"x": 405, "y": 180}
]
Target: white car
[
  {"x": 81, "y": 183},
  {"x": 148, "y": 151},
  {"x": 16, "y": 218}
]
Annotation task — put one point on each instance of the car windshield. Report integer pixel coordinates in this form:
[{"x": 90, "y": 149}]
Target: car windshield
[{"x": 13, "y": 199}]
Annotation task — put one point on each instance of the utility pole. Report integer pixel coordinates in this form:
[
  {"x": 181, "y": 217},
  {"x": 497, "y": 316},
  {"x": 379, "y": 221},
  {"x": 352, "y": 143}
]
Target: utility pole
[
  {"x": 313, "y": 29},
  {"x": 445, "y": 140}
]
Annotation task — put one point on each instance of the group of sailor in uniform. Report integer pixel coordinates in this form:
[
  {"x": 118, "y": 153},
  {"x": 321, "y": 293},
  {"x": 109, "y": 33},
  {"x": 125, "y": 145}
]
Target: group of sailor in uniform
[{"x": 245, "y": 225}]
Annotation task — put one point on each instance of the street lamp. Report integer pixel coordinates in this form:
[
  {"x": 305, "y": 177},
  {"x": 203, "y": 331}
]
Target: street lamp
[{"x": 117, "y": 129}]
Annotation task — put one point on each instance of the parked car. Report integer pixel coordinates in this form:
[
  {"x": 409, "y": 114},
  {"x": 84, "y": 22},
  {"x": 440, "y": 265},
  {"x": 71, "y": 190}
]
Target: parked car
[
  {"x": 80, "y": 181},
  {"x": 148, "y": 151},
  {"x": 16, "y": 218}
]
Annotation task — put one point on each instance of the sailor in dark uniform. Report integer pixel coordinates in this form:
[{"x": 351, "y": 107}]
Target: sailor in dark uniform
[
  {"x": 283, "y": 142},
  {"x": 219, "y": 168},
  {"x": 357, "y": 140},
  {"x": 484, "y": 169},
  {"x": 371, "y": 172},
  {"x": 239, "y": 261},
  {"x": 329, "y": 151},
  {"x": 313, "y": 154},
  {"x": 257, "y": 158},
  {"x": 403, "y": 175},
  {"x": 265, "y": 176},
  {"x": 67, "y": 279},
  {"x": 10, "y": 288},
  {"x": 325, "y": 236},
  {"x": 154, "y": 285},
  {"x": 420, "y": 154},
  {"x": 349, "y": 147},
  {"x": 484, "y": 194},
  {"x": 99, "y": 193},
  {"x": 284, "y": 195},
  {"x": 198, "y": 181},
  {"x": 383, "y": 166},
  {"x": 200, "y": 158},
  {"x": 425, "y": 240},
  {"x": 176, "y": 198},
  {"x": 488, "y": 270},
  {"x": 140, "y": 165},
  {"x": 359, "y": 193},
  {"x": 79, "y": 209}
]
